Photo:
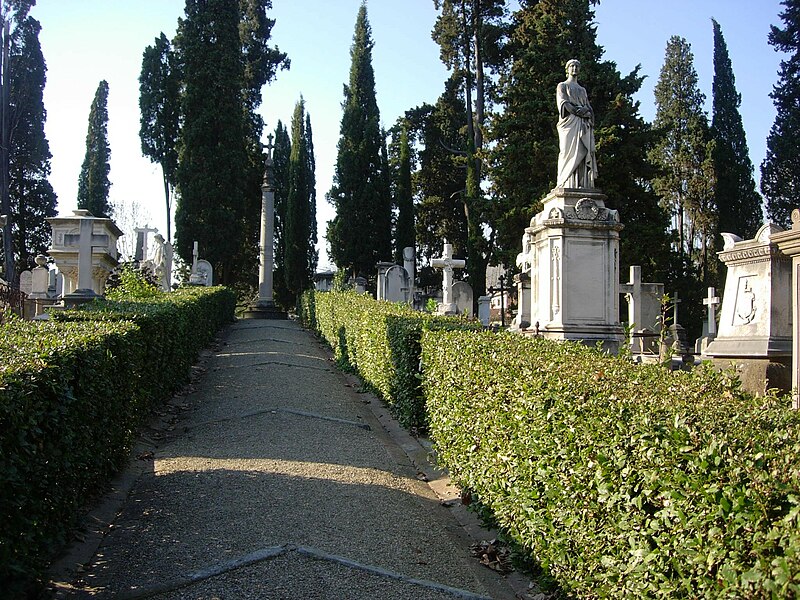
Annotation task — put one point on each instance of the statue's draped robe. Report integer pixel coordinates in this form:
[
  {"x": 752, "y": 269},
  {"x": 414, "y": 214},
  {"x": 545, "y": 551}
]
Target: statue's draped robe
[{"x": 577, "y": 165}]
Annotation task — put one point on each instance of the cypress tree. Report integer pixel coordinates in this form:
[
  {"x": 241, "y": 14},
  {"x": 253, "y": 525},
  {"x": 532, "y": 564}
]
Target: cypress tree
[
  {"x": 32, "y": 197},
  {"x": 212, "y": 171},
  {"x": 736, "y": 198},
  {"x": 299, "y": 231},
  {"x": 311, "y": 180},
  {"x": 93, "y": 183},
  {"x": 280, "y": 160},
  {"x": 159, "y": 104},
  {"x": 682, "y": 155},
  {"x": 780, "y": 171},
  {"x": 360, "y": 233},
  {"x": 404, "y": 198}
]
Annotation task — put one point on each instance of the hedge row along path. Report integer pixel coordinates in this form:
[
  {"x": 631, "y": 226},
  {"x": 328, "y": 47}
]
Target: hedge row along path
[{"x": 273, "y": 477}]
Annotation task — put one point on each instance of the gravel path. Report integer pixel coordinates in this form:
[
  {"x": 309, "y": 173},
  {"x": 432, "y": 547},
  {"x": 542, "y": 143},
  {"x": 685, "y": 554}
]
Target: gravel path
[{"x": 278, "y": 481}]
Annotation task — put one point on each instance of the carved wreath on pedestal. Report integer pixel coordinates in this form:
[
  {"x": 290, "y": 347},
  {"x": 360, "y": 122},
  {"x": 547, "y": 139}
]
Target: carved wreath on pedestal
[{"x": 587, "y": 209}]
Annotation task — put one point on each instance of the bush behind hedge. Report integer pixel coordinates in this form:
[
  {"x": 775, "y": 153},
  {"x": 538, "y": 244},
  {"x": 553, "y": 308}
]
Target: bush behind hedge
[
  {"x": 380, "y": 341},
  {"x": 623, "y": 481},
  {"x": 73, "y": 392}
]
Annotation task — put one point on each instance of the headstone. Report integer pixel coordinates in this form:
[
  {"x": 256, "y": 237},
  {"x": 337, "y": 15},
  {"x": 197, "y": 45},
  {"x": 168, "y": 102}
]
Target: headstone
[
  {"x": 396, "y": 285},
  {"x": 484, "y": 310},
  {"x": 85, "y": 251},
  {"x": 463, "y": 298},
  {"x": 409, "y": 263},
  {"x": 644, "y": 311},
  {"x": 755, "y": 325},
  {"x": 710, "y": 324},
  {"x": 447, "y": 263},
  {"x": 204, "y": 272},
  {"x": 677, "y": 333},
  {"x": 525, "y": 263},
  {"x": 140, "y": 252},
  {"x": 789, "y": 244},
  {"x": 383, "y": 267},
  {"x": 323, "y": 281},
  {"x": 40, "y": 278},
  {"x": 26, "y": 282},
  {"x": 360, "y": 285}
]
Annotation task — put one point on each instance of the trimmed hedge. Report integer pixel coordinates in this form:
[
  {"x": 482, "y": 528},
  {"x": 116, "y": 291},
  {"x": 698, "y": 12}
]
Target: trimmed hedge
[
  {"x": 380, "y": 341},
  {"x": 621, "y": 480},
  {"x": 73, "y": 392}
]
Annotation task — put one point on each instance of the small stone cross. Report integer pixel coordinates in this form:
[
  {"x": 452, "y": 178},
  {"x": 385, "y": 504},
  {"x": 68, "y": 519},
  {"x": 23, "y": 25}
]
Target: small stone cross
[
  {"x": 86, "y": 240},
  {"x": 712, "y": 301},
  {"x": 447, "y": 263},
  {"x": 633, "y": 292}
]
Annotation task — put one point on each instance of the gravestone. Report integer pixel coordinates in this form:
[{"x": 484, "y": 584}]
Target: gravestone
[
  {"x": 463, "y": 298},
  {"x": 323, "y": 281},
  {"x": 359, "y": 285},
  {"x": 84, "y": 248},
  {"x": 447, "y": 263},
  {"x": 383, "y": 267},
  {"x": 26, "y": 282},
  {"x": 644, "y": 311},
  {"x": 142, "y": 234},
  {"x": 409, "y": 263},
  {"x": 204, "y": 272},
  {"x": 396, "y": 286},
  {"x": 755, "y": 325},
  {"x": 710, "y": 324},
  {"x": 484, "y": 310}
]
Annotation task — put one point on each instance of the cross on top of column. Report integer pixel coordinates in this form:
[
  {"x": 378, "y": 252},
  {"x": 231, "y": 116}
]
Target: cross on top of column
[
  {"x": 447, "y": 261},
  {"x": 269, "y": 146},
  {"x": 675, "y": 302}
]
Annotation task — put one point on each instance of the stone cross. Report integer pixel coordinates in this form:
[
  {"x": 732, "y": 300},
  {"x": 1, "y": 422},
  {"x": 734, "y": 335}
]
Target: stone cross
[
  {"x": 712, "y": 301},
  {"x": 675, "y": 302},
  {"x": 194, "y": 257},
  {"x": 447, "y": 263},
  {"x": 633, "y": 290},
  {"x": 86, "y": 241}
]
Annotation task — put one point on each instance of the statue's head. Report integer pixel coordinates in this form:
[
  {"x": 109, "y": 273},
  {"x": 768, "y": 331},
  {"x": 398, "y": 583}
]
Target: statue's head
[{"x": 574, "y": 62}]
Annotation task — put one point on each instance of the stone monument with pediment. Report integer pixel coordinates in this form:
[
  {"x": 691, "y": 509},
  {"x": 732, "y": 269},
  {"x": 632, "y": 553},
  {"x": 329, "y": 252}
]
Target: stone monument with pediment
[
  {"x": 755, "y": 324},
  {"x": 572, "y": 245}
]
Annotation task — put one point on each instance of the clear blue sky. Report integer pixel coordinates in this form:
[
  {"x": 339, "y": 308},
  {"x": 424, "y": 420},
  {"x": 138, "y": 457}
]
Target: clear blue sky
[{"x": 85, "y": 41}]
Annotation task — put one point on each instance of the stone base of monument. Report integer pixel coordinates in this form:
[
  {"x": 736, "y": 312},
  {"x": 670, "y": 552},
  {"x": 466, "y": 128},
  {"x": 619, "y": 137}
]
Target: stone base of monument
[
  {"x": 759, "y": 374},
  {"x": 264, "y": 310},
  {"x": 79, "y": 297},
  {"x": 574, "y": 259}
]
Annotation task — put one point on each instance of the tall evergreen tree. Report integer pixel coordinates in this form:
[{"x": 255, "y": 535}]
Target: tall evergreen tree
[
  {"x": 683, "y": 157},
  {"x": 300, "y": 233},
  {"x": 441, "y": 180},
  {"x": 780, "y": 171},
  {"x": 32, "y": 196},
  {"x": 93, "y": 183},
  {"x": 470, "y": 34},
  {"x": 311, "y": 177},
  {"x": 736, "y": 198},
  {"x": 404, "y": 198},
  {"x": 359, "y": 192},
  {"x": 225, "y": 60},
  {"x": 12, "y": 13},
  {"x": 159, "y": 103},
  {"x": 281, "y": 155}
]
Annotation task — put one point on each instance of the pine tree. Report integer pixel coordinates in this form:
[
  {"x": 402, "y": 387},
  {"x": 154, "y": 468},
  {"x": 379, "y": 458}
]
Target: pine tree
[
  {"x": 93, "y": 183},
  {"x": 32, "y": 197},
  {"x": 441, "y": 179},
  {"x": 159, "y": 103},
  {"x": 359, "y": 192},
  {"x": 280, "y": 164},
  {"x": 780, "y": 171},
  {"x": 683, "y": 157},
  {"x": 300, "y": 232},
  {"x": 404, "y": 198},
  {"x": 736, "y": 198}
]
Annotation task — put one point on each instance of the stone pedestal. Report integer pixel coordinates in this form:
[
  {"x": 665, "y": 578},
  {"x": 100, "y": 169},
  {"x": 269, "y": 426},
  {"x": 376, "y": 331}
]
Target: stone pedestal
[
  {"x": 755, "y": 326},
  {"x": 522, "y": 320},
  {"x": 575, "y": 269}
]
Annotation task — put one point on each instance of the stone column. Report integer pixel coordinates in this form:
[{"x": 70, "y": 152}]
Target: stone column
[
  {"x": 263, "y": 307},
  {"x": 789, "y": 244}
]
